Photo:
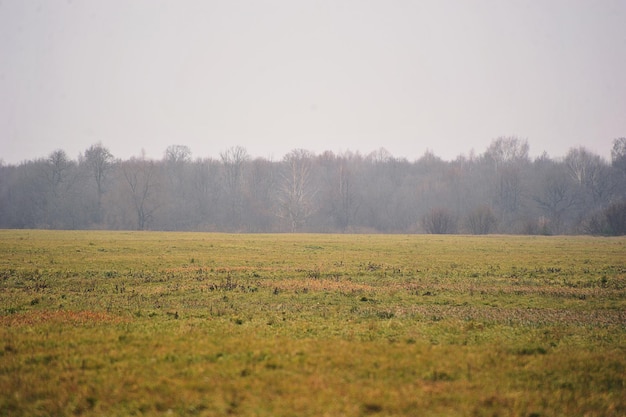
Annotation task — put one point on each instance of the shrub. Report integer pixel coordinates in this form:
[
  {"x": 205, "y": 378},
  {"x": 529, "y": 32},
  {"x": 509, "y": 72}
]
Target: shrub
[
  {"x": 609, "y": 221},
  {"x": 439, "y": 221},
  {"x": 481, "y": 221},
  {"x": 615, "y": 215}
]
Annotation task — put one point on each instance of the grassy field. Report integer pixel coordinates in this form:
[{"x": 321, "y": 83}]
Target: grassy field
[{"x": 129, "y": 323}]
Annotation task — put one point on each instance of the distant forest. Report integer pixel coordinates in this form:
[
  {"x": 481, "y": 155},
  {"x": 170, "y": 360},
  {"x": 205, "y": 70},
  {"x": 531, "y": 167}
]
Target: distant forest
[{"x": 501, "y": 190}]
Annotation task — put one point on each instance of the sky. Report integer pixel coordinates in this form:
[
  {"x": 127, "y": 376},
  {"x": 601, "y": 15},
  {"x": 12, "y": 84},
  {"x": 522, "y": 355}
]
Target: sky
[{"x": 443, "y": 76}]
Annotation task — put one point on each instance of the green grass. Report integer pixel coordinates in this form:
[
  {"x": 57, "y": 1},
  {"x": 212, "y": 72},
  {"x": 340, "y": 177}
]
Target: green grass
[{"x": 129, "y": 323}]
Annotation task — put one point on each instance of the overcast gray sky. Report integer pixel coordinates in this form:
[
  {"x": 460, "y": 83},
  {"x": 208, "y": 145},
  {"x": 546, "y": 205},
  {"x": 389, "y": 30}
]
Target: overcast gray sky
[{"x": 271, "y": 76}]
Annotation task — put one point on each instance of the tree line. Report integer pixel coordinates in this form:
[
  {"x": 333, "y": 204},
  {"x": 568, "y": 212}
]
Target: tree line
[{"x": 501, "y": 190}]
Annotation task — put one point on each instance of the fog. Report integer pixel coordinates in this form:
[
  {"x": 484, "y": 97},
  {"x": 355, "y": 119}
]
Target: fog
[{"x": 499, "y": 190}]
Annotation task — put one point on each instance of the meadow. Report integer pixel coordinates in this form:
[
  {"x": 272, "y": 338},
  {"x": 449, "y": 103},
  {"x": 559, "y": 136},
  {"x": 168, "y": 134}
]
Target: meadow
[{"x": 155, "y": 323}]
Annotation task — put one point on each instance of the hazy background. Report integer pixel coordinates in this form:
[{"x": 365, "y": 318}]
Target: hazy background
[{"x": 271, "y": 76}]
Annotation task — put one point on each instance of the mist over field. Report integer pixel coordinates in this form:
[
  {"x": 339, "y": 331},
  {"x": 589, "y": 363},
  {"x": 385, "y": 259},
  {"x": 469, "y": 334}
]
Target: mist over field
[
  {"x": 501, "y": 190},
  {"x": 441, "y": 116}
]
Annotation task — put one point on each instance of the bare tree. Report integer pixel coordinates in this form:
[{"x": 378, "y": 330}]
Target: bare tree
[
  {"x": 583, "y": 165},
  {"x": 555, "y": 196},
  {"x": 618, "y": 161},
  {"x": 618, "y": 154},
  {"x": 591, "y": 174},
  {"x": 234, "y": 161},
  {"x": 207, "y": 192},
  {"x": 177, "y": 154},
  {"x": 63, "y": 204},
  {"x": 260, "y": 195},
  {"x": 439, "y": 221},
  {"x": 99, "y": 162},
  {"x": 142, "y": 179},
  {"x": 338, "y": 191},
  {"x": 59, "y": 165},
  {"x": 30, "y": 193},
  {"x": 348, "y": 201},
  {"x": 509, "y": 156},
  {"x": 507, "y": 151},
  {"x": 481, "y": 220},
  {"x": 176, "y": 188},
  {"x": 296, "y": 193},
  {"x": 177, "y": 158},
  {"x": 379, "y": 156}
]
